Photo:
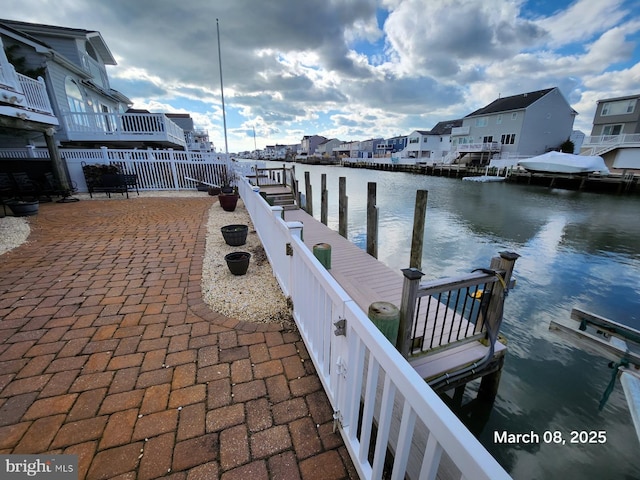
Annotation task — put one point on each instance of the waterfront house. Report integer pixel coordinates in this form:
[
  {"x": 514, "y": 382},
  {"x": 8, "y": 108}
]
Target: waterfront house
[
  {"x": 325, "y": 149},
  {"x": 309, "y": 144},
  {"x": 26, "y": 114},
  {"x": 518, "y": 126},
  {"x": 615, "y": 135},
  {"x": 390, "y": 146},
  {"x": 90, "y": 113}
]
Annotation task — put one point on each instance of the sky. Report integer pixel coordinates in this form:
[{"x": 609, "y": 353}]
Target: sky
[{"x": 352, "y": 69}]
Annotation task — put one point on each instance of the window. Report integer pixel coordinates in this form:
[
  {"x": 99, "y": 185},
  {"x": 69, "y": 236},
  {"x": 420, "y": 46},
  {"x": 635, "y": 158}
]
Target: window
[
  {"x": 77, "y": 105},
  {"x": 488, "y": 139},
  {"x": 481, "y": 122},
  {"x": 499, "y": 119},
  {"x": 514, "y": 115},
  {"x": 508, "y": 139},
  {"x": 621, "y": 107},
  {"x": 612, "y": 130}
]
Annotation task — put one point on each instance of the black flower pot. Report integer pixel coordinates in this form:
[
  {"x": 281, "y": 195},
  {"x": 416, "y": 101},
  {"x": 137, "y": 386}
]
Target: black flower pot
[
  {"x": 235, "y": 235},
  {"x": 238, "y": 262},
  {"x": 23, "y": 209},
  {"x": 228, "y": 202}
]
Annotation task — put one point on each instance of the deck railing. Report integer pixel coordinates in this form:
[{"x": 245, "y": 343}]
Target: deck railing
[
  {"x": 122, "y": 127},
  {"x": 597, "y": 145},
  {"x": 380, "y": 403}
]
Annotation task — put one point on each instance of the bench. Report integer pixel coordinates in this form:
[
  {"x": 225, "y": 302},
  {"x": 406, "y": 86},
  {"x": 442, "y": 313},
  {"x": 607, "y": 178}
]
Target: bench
[{"x": 113, "y": 183}]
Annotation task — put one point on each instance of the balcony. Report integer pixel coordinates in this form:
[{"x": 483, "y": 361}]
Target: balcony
[
  {"x": 599, "y": 145},
  {"x": 137, "y": 128},
  {"x": 460, "y": 131},
  {"x": 23, "y": 97},
  {"x": 479, "y": 147}
]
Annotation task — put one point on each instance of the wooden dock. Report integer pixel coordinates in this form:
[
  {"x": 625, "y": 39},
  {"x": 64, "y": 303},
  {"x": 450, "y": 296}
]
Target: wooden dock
[{"x": 367, "y": 280}]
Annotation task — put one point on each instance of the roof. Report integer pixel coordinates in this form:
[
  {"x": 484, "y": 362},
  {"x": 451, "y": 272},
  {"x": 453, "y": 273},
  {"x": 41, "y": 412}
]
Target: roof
[
  {"x": 616, "y": 99},
  {"x": 92, "y": 36},
  {"x": 444, "y": 128},
  {"x": 515, "y": 102}
]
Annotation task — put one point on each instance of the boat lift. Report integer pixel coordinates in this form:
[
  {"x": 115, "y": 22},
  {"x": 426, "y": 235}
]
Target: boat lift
[{"x": 618, "y": 343}]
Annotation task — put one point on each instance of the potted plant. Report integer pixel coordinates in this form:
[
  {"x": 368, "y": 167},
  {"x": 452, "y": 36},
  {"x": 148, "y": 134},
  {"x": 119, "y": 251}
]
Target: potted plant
[
  {"x": 235, "y": 235},
  {"x": 22, "y": 208},
  {"x": 238, "y": 262}
]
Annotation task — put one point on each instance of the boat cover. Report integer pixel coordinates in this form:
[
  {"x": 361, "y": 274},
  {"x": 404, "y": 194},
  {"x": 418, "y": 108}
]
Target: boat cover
[{"x": 559, "y": 162}]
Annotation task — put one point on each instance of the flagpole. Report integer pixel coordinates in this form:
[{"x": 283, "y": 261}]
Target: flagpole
[{"x": 224, "y": 116}]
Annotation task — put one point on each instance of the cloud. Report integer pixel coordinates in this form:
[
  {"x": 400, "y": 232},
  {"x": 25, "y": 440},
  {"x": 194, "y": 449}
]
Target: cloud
[{"x": 353, "y": 67}]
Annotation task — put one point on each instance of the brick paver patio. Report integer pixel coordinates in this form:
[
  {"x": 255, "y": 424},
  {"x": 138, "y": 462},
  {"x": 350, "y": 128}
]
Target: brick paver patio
[{"x": 108, "y": 351}]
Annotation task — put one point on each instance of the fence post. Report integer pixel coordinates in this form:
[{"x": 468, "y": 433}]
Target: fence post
[
  {"x": 372, "y": 220},
  {"x": 410, "y": 288},
  {"x": 172, "y": 164},
  {"x": 323, "y": 199},
  {"x": 343, "y": 202},
  {"x": 105, "y": 155}
]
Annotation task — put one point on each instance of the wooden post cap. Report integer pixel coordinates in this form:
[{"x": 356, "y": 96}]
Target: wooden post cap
[{"x": 385, "y": 316}]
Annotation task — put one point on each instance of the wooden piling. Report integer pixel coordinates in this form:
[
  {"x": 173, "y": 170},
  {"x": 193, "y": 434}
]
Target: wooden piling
[
  {"x": 308, "y": 193},
  {"x": 372, "y": 220},
  {"x": 417, "y": 238},
  {"x": 324, "y": 194},
  {"x": 343, "y": 202}
]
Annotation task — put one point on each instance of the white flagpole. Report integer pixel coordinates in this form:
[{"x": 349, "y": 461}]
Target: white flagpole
[{"x": 224, "y": 116}]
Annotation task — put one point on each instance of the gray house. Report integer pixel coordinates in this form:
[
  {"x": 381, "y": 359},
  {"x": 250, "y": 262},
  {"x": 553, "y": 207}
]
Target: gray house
[
  {"x": 521, "y": 125},
  {"x": 615, "y": 134},
  {"x": 90, "y": 113}
]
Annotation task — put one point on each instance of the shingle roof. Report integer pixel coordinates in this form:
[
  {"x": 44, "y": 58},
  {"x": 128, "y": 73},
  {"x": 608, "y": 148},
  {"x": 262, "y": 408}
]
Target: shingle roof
[
  {"x": 444, "y": 128},
  {"x": 515, "y": 102}
]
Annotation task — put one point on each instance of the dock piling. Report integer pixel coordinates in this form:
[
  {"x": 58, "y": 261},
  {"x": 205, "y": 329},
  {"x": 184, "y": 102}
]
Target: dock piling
[
  {"x": 417, "y": 238},
  {"x": 343, "y": 202},
  {"x": 372, "y": 220},
  {"x": 324, "y": 196},
  {"x": 308, "y": 193}
]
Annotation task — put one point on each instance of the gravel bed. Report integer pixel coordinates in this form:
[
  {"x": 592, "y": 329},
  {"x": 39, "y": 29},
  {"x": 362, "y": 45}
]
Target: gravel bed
[
  {"x": 13, "y": 232},
  {"x": 254, "y": 297}
]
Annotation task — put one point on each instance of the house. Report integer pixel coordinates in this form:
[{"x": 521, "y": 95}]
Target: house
[
  {"x": 309, "y": 144},
  {"x": 389, "y": 146},
  {"x": 196, "y": 138},
  {"x": 522, "y": 125},
  {"x": 326, "y": 149},
  {"x": 615, "y": 135},
  {"x": 90, "y": 113}
]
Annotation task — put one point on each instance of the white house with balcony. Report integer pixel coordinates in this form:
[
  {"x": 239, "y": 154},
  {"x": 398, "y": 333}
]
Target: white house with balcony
[
  {"x": 430, "y": 146},
  {"x": 518, "y": 126},
  {"x": 90, "y": 113}
]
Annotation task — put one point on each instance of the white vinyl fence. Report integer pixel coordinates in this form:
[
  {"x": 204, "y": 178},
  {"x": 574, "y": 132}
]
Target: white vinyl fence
[{"x": 380, "y": 403}]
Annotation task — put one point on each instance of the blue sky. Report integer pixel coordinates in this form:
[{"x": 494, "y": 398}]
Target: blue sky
[{"x": 353, "y": 69}]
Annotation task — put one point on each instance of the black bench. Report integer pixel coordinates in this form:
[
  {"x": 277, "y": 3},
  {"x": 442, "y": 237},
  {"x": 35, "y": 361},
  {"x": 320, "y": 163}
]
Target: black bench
[{"x": 113, "y": 183}]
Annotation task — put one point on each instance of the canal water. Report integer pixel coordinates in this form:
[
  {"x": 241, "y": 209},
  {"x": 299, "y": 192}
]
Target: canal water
[{"x": 577, "y": 250}]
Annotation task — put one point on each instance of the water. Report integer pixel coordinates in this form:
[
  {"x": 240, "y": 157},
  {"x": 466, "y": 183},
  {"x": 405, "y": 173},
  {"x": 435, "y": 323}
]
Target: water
[{"x": 577, "y": 249}]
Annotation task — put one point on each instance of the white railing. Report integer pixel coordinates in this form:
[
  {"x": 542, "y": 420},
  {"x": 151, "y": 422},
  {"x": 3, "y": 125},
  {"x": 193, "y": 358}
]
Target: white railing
[
  {"x": 122, "y": 127},
  {"x": 96, "y": 69},
  {"x": 479, "y": 147},
  {"x": 35, "y": 92},
  {"x": 373, "y": 390},
  {"x": 597, "y": 145}
]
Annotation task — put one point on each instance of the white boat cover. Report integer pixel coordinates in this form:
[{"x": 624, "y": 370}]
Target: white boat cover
[{"x": 559, "y": 162}]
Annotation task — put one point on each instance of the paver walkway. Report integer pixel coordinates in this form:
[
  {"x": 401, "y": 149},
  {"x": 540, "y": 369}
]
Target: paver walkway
[{"x": 107, "y": 351}]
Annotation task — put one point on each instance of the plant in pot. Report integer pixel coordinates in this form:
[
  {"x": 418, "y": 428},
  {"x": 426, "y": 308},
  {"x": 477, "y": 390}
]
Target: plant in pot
[
  {"x": 21, "y": 208},
  {"x": 235, "y": 235},
  {"x": 238, "y": 262},
  {"x": 228, "y": 197}
]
